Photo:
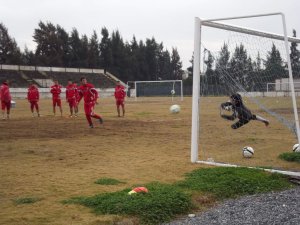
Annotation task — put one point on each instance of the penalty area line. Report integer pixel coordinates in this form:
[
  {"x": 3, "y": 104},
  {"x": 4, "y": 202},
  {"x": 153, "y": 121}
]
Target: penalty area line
[{"x": 285, "y": 172}]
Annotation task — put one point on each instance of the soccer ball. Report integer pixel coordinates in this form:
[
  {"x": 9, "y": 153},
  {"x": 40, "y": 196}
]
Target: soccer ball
[
  {"x": 248, "y": 152},
  {"x": 173, "y": 92},
  {"x": 296, "y": 148},
  {"x": 175, "y": 109},
  {"x": 12, "y": 104},
  {"x": 228, "y": 108}
]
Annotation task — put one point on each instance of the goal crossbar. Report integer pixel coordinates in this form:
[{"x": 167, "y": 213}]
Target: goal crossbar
[{"x": 248, "y": 31}]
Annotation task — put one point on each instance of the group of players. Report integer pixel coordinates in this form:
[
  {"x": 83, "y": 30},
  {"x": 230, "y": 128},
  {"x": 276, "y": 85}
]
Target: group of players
[
  {"x": 74, "y": 94},
  {"x": 90, "y": 95}
]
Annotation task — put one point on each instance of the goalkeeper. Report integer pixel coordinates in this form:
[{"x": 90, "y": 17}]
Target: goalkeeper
[{"x": 240, "y": 111}]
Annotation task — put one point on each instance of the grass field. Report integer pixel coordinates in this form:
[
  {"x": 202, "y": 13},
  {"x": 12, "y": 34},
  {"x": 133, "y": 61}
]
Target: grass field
[{"x": 49, "y": 159}]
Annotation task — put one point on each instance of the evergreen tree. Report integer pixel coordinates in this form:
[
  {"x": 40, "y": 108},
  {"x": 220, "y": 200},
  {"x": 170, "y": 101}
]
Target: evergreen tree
[
  {"x": 223, "y": 60},
  {"x": 274, "y": 65},
  {"x": 94, "y": 52},
  {"x": 151, "y": 56},
  {"x": 105, "y": 50},
  {"x": 48, "y": 51},
  {"x": 222, "y": 64},
  {"x": 164, "y": 65},
  {"x": 84, "y": 52},
  {"x": 176, "y": 65},
  {"x": 9, "y": 51},
  {"x": 63, "y": 46},
  {"x": 75, "y": 45},
  {"x": 240, "y": 65},
  {"x": 28, "y": 57},
  {"x": 295, "y": 58},
  {"x": 118, "y": 54}
]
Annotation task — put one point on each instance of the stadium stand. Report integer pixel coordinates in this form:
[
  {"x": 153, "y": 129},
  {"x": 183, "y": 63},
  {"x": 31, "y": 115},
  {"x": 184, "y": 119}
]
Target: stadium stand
[
  {"x": 14, "y": 77},
  {"x": 97, "y": 79},
  {"x": 21, "y": 78}
]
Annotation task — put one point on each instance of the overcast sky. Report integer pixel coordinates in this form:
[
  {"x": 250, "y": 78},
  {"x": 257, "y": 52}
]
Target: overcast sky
[{"x": 168, "y": 21}]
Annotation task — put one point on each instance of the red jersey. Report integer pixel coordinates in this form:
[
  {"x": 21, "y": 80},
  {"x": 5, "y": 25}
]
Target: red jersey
[
  {"x": 88, "y": 92},
  {"x": 120, "y": 92},
  {"x": 55, "y": 90},
  {"x": 33, "y": 94},
  {"x": 71, "y": 92},
  {"x": 4, "y": 92}
]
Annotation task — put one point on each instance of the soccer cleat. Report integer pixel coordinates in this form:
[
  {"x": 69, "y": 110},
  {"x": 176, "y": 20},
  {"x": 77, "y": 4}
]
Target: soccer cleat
[
  {"x": 91, "y": 126},
  {"x": 266, "y": 123},
  {"x": 100, "y": 120}
]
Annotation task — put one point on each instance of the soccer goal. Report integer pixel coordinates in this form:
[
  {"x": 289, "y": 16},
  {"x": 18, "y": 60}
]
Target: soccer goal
[
  {"x": 232, "y": 59},
  {"x": 161, "y": 89}
]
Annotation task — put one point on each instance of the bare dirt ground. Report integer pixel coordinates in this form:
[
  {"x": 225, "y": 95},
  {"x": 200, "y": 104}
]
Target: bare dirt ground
[{"x": 55, "y": 158}]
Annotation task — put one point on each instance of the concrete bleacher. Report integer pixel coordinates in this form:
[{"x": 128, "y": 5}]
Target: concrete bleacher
[
  {"x": 99, "y": 80},
  {"x": 14, "y": 78},
  {"x": 22, "y": 76}
]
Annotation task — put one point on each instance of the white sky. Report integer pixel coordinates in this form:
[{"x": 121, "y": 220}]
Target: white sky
[{"x": 168, "y": 21}]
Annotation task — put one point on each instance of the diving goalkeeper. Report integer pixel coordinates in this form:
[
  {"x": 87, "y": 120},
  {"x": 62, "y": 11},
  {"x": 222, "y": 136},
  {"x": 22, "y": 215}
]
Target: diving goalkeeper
[{"x": 240, "y": 111}]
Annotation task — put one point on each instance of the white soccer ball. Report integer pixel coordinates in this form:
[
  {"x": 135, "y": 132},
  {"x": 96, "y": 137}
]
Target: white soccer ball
[
  {"x": 296, "y": 148},
  {"x": 173, "y": 92},
  {"x": 228, "y": 108},
  {"x": 248, "y": 152},
  {"x": 175, "y": 109}
]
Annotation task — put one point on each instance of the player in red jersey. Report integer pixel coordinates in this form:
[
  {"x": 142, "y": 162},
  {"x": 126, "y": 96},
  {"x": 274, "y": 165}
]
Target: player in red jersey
[
  {"x": 120, "y": 97},
  {"x": 55, "y": 91},
  {"x": 71, "y": 94},
  {"x": 5, "y": 99},
  {"x": 77, "y": 99},
  {"x": 90, "y": 97},
  {"x": 33, "y": 97}
]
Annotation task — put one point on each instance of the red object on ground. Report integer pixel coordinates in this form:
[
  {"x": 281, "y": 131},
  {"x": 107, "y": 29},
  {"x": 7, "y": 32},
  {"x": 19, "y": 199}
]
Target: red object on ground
[{"x": 140, "y": 189}]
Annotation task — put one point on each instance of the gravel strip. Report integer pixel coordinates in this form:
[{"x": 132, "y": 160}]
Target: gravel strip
[{"x": 275, "y": 208}]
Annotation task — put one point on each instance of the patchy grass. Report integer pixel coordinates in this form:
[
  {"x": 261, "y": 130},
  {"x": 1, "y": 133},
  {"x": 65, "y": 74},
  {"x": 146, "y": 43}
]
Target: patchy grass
[
  {"x": 161, "y": 204},
  {"x": 26, "y": 200},
  {"x": 200, "y": 189},
  {"x": 108, "y": 181},
  {"x": 227, "y": 182},
  {"x": 290, "y": 156}
]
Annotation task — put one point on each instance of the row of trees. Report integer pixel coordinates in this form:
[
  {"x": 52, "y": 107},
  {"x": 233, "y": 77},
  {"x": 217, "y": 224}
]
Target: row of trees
[
  {"x": 134, "y": 60},
  {"x": 231, "y": 69}
]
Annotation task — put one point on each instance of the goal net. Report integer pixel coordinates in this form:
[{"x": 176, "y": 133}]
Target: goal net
[
  {"x": 159, "y": 90},
  {"x": 256, "y": 65}
]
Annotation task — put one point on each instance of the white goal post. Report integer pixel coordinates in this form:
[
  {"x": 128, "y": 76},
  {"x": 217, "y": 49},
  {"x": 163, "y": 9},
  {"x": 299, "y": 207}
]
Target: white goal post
[
  {"x": 159, "y": 88},
  {"x": 196, "y": 69}
]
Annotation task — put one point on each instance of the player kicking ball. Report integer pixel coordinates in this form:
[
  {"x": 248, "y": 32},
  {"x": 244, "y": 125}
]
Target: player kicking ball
[
  {"x": 90, "y": 96},
  {"x": 240, "y": 111}
]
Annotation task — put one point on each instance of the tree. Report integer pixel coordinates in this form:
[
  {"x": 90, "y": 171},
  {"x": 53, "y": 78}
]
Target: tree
[
  {"x": 28, "y": 57},
  {"x": 274, "y": 65},
  {"x": 295, "y": 58},
  {"x": 105, "y": 50},
  {"x": 48, "y": 49},
  {"x": 63, "y": 46},
  {"x": 94, "y": 52},
  {"x": 9, "y": 51},
  {"x": 240, "y": 66},
  {"x": 176, "y": 65},
  {"x": 75, "y": 45},
  {"x": 222, "y": 64},
  {"x": 151, "y": 57},
  {"x": 223, "y": 60}
]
